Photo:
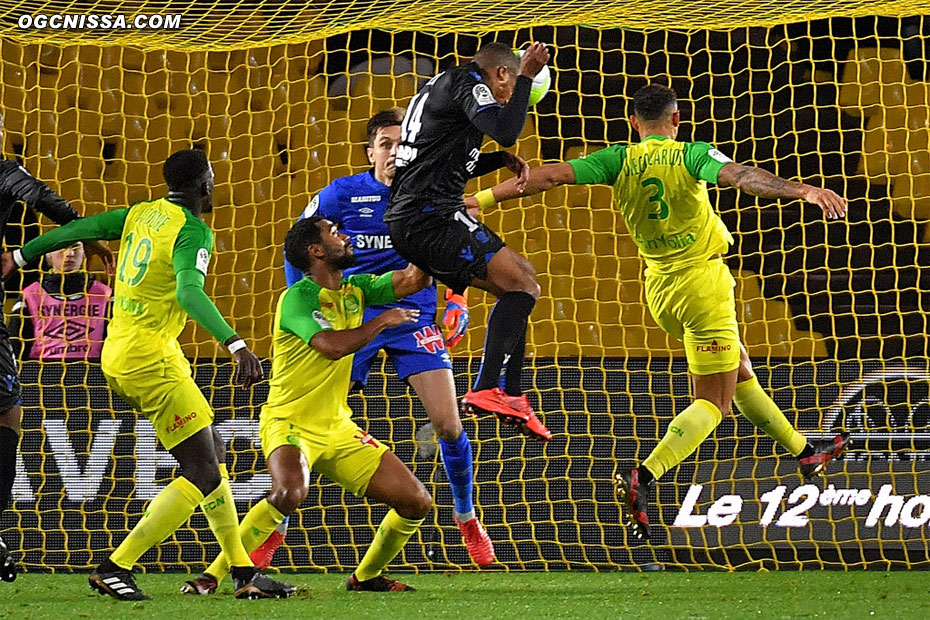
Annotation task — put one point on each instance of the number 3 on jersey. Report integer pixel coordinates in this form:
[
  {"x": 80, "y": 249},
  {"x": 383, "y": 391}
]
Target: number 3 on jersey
[
  {"x": 662, "y": 213},
  {"x": 139, "y": 255}
]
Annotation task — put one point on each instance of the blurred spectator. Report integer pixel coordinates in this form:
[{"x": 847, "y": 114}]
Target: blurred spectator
[{"x": 64, "y": 314}]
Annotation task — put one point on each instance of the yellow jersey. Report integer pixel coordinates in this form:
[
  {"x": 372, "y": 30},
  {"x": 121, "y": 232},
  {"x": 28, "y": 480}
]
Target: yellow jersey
[
  {"x": 159, "y": 238},
  {"x": 660, "y": 188},
  {"x": 306, "y": 388}
]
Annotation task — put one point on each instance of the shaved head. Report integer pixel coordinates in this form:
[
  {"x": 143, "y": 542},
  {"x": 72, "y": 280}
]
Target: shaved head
[{"x": 494, "y": 55}]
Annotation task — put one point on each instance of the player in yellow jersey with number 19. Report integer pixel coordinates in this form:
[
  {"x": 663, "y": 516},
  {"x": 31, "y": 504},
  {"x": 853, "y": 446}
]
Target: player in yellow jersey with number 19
[
  {"x": 660, "y": 188},
  {"x": 164, "y": 254}
]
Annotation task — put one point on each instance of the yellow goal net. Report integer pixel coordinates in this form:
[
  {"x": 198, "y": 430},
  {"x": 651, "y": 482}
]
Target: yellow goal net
[{"x": 833, "y": 314}]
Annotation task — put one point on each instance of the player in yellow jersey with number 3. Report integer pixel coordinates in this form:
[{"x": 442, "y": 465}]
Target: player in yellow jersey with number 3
[
  {"x": 660, "y": 188},
  {"x": 163, "y": 258}
]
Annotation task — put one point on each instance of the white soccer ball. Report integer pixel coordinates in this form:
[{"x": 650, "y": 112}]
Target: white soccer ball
[{"x": 541, "y": 82}]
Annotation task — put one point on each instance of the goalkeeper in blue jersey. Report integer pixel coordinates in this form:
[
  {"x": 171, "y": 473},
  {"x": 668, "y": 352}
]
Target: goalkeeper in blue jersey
[
  {"x": 418, "y": 350},
  {"x": 660, "y": 189}
]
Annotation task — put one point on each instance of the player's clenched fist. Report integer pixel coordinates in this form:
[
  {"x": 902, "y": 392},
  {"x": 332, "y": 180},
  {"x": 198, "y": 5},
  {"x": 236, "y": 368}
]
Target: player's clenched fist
[
  {"x": 248, "y": 368},
  {"x": 534, "y": 59},
  {"x": 7, "y": 266}
]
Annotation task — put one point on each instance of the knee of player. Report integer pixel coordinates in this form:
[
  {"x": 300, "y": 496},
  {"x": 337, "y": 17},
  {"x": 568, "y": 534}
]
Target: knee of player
[
  {"x": 219, "y": 445},
  {"x": 745, "y": 368},
  {"x": 205, "y": 476},
  {"x": 287, "y": 497},
  {"x": 448, "y": 428},
  {"x": 420, "y": 503},
  {"x": 12, "y": 418}
]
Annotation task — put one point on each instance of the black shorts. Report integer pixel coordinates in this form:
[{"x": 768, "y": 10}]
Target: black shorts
[
  {"x": 9, "y": 376},
  {"x": 453, "y": 247}
]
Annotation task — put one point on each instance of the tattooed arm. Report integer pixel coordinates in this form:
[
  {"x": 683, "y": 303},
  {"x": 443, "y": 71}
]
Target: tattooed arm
[{"x": 764, "y": 184}]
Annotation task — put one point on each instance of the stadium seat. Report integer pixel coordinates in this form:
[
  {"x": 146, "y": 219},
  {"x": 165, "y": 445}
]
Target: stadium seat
[
  {"x": 381, "y": 91},
  {"x": 580, "y": 220},
  {"x": 585, "y": 311},
  {"x": 532, "y": 213},
  {"x": 15, "y": 104},
  {"x": 766, "y": 325},
  {"x": 608, "y": 314},
  {"x": 582, "y": 242},
  {"x": 584, "y": 287},
  {"x": 910, "y": 196},
  {"x": 556, "y": 218},
  {"x": 540, "y": 339},
  {"x": 560, "y": 263},
  {"x": 155, "y": 88},
  {"x": 865, "y": 73},
  {"x": 631, "y": 291},
  {"x": 528, "y": 145},
  {"x": 876, "y": 161}
]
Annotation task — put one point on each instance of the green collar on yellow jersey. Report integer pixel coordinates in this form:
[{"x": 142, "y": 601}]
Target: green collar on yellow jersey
[{"x": 655, "y": 137}]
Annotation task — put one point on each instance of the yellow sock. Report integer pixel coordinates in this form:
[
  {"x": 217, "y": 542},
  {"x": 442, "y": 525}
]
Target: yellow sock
[
  {"x": 761, "y": 410},
  {"x": 392, "y": 535},
  {"x": 220, "y": 510},
  {"x": 684, "y": 435},
  {"x": 224, "y": 472},
  {"x": 166, "y": 513},
  {"x": 255, "y": 529}
]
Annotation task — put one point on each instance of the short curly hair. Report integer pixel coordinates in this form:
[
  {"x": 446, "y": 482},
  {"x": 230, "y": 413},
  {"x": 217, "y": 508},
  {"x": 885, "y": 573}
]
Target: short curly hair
[
  {"x": 183, "y": 169},
  {"x": 652, "y": 102},
  {"x": 302, "y": 235}
]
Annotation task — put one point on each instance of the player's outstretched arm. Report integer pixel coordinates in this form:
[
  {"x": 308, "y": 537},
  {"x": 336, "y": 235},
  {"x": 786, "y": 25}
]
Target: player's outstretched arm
[
  {"x": 23, "y": 186},
  {"x": 764, "y": 184},
  {"x": 335, "y": 344},
  {"x": 107, "y": 225},
  {"x": 538, "y": 180},
  {"x": 409, "y": 281}
]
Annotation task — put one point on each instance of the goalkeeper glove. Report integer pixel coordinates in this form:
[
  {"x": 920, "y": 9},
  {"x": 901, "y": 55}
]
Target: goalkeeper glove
[{"x": 455, "y": 317}]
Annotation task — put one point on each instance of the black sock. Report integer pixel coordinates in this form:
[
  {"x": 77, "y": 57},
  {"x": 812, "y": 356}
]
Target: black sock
[
  {"x": 506, "y": 329},
  {"x": 243, "y": 573},
  {"x": 807, "y": 451},
  {"x": 9, "y": 444},
  {"x": 645, "y": 476},
  {"x": 109, "y": 567},
  {"x": 513, "y": 375}
]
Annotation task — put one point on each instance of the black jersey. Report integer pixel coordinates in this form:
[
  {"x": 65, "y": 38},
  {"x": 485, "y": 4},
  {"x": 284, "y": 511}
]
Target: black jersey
[
  {"x": 17, "y": 185},
  {"x": 441, "y": 139}
]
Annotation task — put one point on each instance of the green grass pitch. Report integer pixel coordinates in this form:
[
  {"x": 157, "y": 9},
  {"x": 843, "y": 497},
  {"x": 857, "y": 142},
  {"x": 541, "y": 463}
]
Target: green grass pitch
[{"x": 512, "y": 596}]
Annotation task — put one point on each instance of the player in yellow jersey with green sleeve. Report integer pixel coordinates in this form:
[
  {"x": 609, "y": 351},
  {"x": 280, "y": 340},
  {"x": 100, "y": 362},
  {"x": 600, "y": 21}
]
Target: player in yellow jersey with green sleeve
[
  {"x": 306, "y": 424},
  {"x": 164, "y": 255},
  {"x": 660, "y": 188}
]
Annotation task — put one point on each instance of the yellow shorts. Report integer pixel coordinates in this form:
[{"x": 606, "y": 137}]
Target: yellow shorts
[
  {"x": 696, "y": 306},
  {"x": 348, "y": 456},
  {"x": 169, "y": 398}
]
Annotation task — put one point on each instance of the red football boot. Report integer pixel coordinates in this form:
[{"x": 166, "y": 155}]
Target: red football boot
[
  {"x": 515, "y": 410},
  {"x": 477, "y": 541}
]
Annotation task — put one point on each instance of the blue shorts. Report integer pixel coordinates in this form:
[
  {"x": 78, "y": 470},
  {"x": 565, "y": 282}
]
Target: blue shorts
[{"x": 412, "y": 348}]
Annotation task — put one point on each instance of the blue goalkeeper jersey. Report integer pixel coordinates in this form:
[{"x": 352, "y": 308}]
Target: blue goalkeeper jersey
[{"x": 356, "y": 204}]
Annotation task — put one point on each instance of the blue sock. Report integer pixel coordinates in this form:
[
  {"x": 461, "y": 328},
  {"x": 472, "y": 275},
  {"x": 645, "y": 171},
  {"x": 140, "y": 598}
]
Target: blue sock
[{"x": 458, "y": 460}]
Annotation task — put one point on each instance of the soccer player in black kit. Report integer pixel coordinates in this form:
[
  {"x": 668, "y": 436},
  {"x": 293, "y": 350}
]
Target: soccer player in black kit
[
  {"x": 441, "y": 139},
  {"x": 17, "y": 185}
]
